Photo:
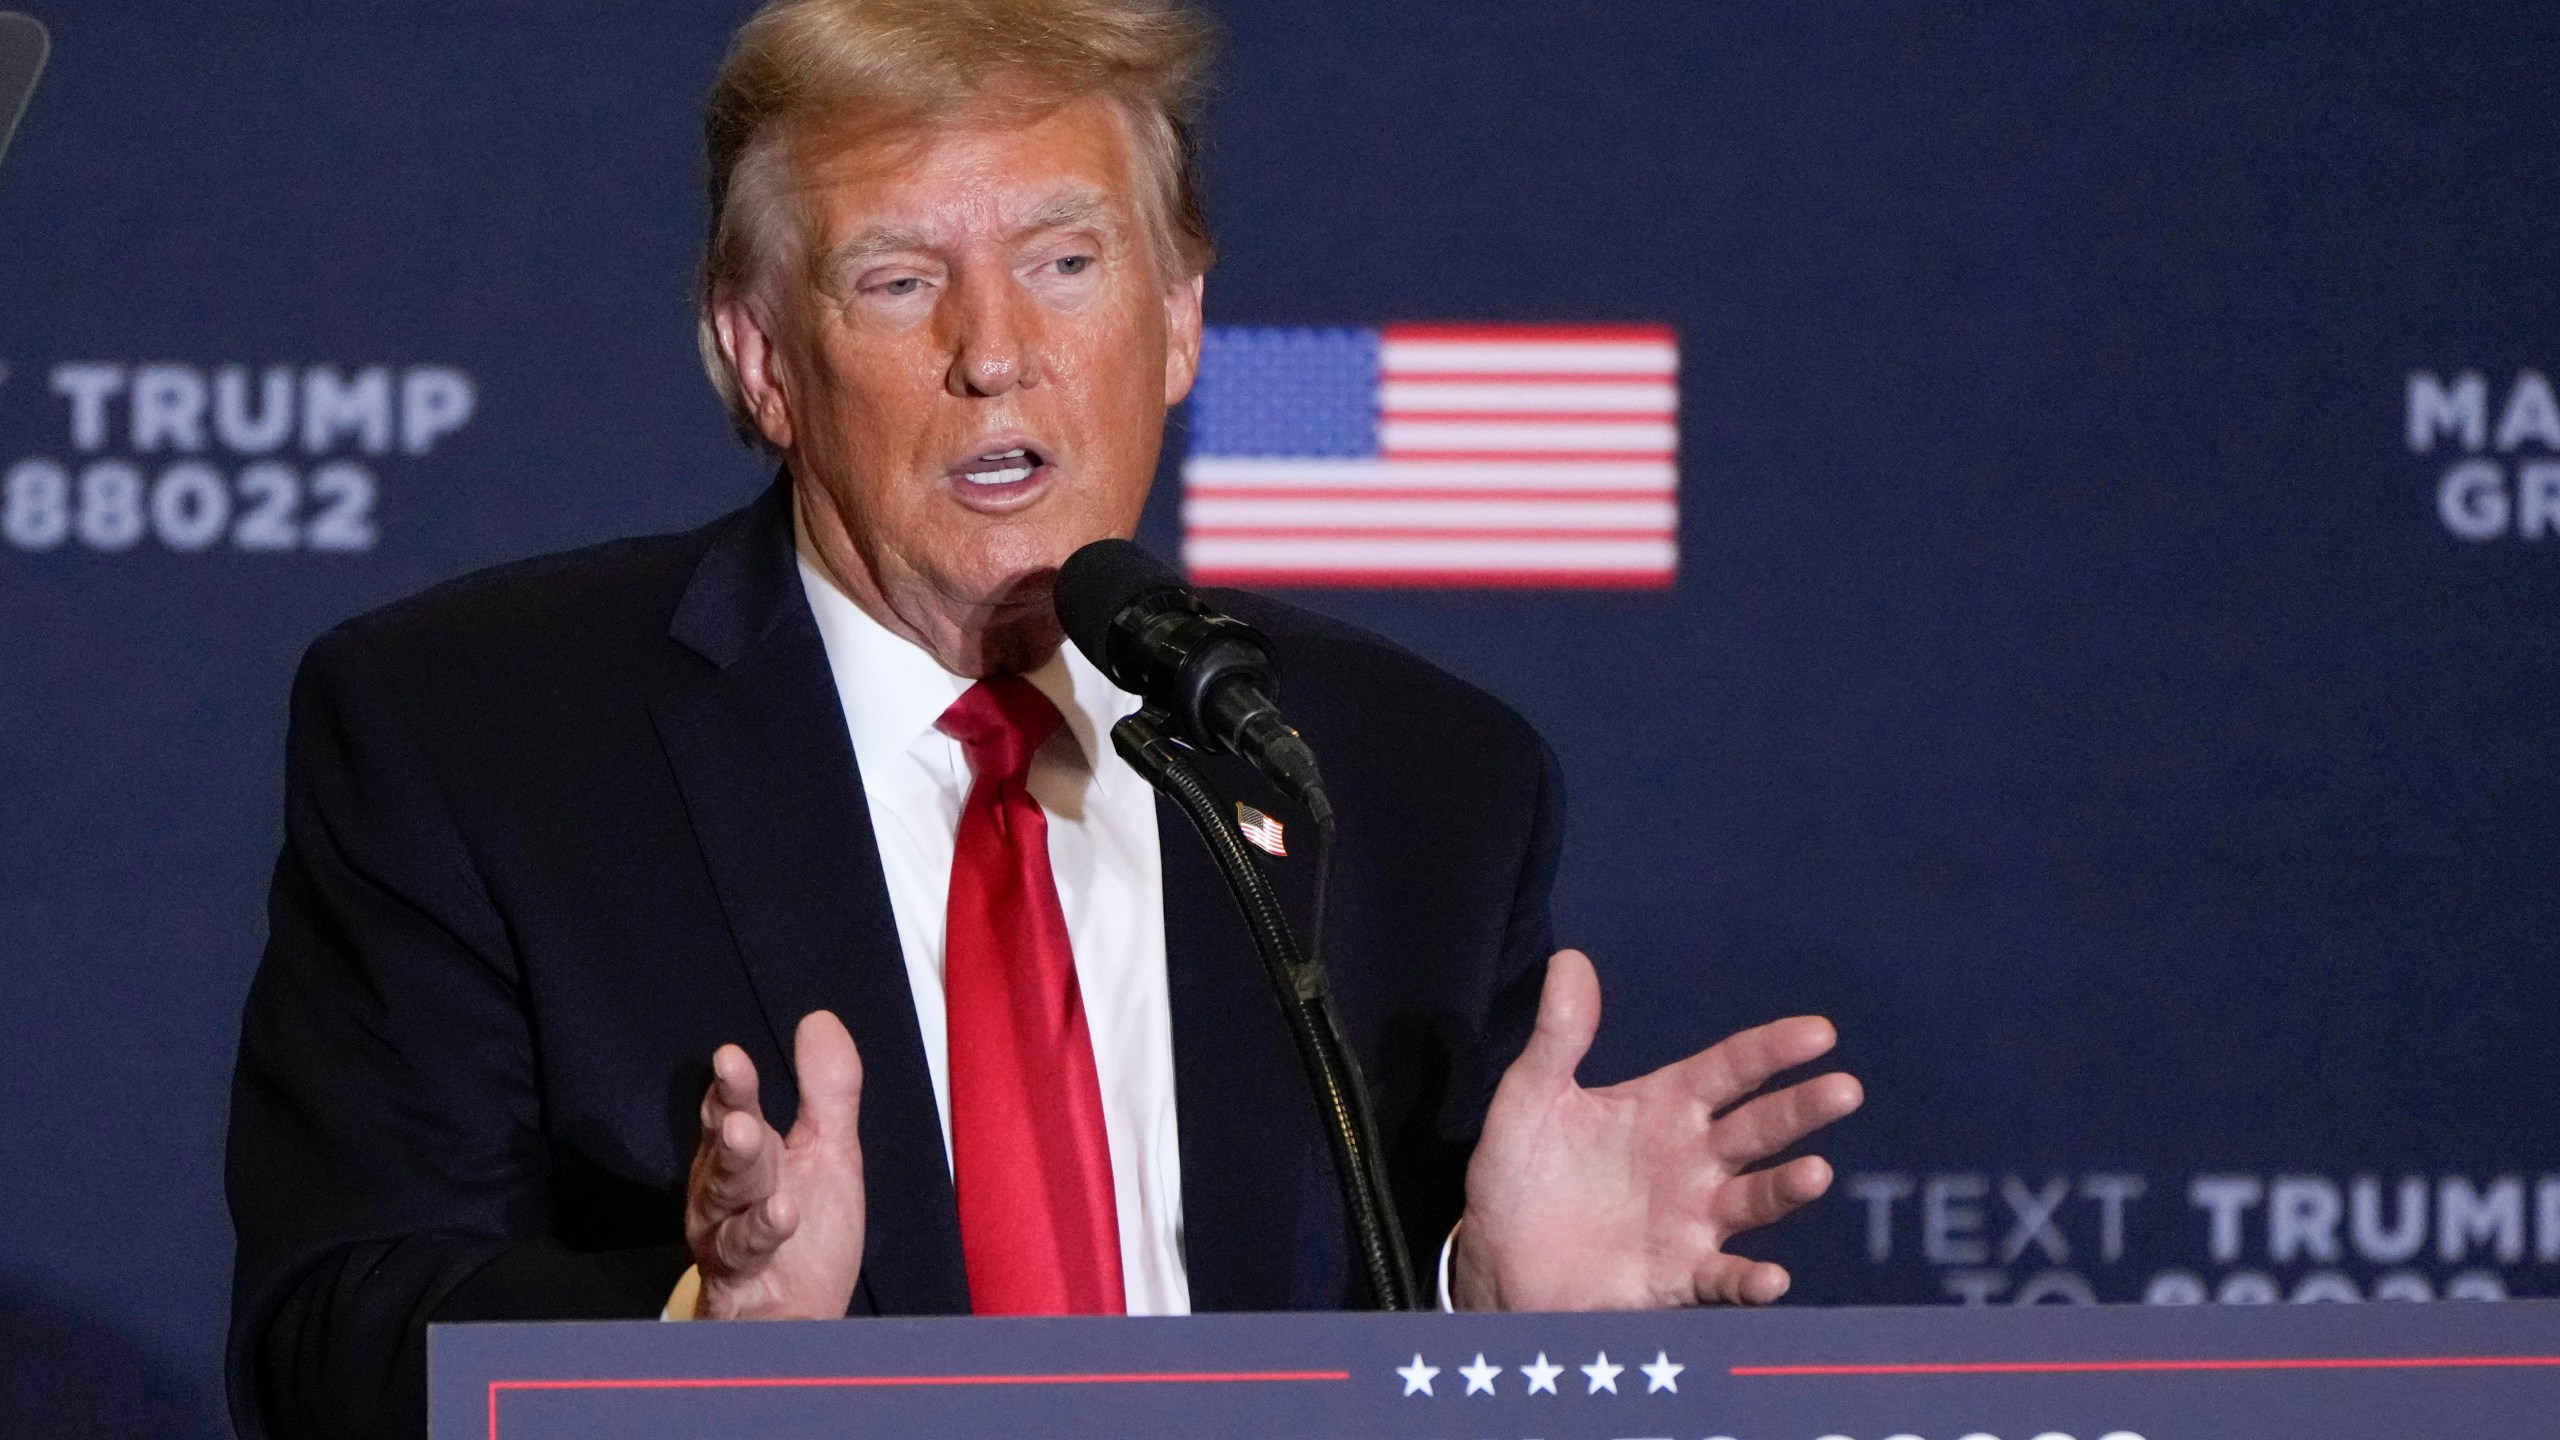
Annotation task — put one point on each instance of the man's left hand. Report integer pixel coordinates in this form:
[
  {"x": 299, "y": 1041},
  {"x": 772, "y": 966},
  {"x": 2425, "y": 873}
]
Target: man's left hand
[{"x": 1623, "y": 1198}]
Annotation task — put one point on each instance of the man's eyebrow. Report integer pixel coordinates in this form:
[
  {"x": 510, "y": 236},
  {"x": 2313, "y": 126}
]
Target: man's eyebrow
[
  {"x": 1076, "y": 207},
  {"x": 870, "y": 244}
]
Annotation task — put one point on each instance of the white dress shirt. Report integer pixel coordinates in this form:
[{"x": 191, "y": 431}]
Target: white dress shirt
[{"x": 1102, "y": 849}]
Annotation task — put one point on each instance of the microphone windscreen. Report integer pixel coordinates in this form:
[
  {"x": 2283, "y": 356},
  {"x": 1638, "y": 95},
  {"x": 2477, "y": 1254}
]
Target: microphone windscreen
[{"x": 1097, "y": 583}]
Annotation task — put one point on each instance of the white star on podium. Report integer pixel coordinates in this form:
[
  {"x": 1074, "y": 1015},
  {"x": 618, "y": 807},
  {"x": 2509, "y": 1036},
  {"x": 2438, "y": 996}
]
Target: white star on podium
[
  {"x": 1604, "y": 1376},
  {"x": 1417, "y": 1376},
  {"x": 1542, "y": 1376},
  {"x": 1663, "y": 1373},
  {"x": 1479, "y": 1375}
]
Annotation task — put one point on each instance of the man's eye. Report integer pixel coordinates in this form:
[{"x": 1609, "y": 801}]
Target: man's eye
[
  {"x": 903, "y": 285},
  {"x": 1075, "y": 264}
]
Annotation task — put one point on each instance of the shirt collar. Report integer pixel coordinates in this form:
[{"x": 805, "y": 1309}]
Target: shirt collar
[{"x": 894, "y": 690}]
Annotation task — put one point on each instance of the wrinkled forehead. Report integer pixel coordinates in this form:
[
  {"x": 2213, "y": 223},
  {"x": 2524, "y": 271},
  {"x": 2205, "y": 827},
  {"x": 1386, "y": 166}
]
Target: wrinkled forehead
[{"x": 991, "y": 170}]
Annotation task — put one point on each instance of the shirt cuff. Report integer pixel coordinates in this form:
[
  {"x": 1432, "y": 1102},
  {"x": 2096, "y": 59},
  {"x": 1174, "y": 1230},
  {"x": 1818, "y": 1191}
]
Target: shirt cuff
[
  {"x": 1448, "y": 1306},
  {"x": 686, "y": 1302}
]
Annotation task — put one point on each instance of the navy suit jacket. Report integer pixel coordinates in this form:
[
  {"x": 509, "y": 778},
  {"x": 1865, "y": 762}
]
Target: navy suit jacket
[{"x": 557, "y": 831}]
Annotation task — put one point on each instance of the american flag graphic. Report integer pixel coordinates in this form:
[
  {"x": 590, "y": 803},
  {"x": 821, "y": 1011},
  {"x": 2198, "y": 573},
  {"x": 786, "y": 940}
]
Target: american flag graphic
[
  {"x": 1435, "y": 455},
  {"x": 1263, "y": 830}
]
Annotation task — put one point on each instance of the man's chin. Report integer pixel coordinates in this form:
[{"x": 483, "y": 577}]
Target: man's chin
[
  {"x": 1018, "y": 570},
  {"x": 1005, "y": 624},
  {"x": 1003, "y": 591}
]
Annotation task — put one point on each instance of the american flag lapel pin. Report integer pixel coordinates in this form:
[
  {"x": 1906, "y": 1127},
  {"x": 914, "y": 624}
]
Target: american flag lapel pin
[{"x": 1263, "y": 830}]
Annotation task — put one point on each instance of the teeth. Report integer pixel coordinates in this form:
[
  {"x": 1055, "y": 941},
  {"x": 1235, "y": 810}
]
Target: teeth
[
  {"x": 1013, "y": 454},
  {"x": 1005, "y": 476}
]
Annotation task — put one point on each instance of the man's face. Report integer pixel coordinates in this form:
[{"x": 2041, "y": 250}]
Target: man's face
[{"x": 974, "y": 375}]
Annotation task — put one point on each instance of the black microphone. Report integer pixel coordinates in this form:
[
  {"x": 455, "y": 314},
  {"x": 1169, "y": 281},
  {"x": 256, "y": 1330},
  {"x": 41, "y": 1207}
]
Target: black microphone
[{"x": 1213, "y": 674}]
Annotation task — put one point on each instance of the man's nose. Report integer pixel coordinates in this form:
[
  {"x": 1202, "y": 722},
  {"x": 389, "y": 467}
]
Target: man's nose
[{"x": 995, "y": 336}]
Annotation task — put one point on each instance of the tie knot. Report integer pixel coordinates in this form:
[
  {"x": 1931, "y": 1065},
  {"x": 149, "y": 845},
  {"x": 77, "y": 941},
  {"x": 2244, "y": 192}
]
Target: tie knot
[{"x": 1002, "y": 721}]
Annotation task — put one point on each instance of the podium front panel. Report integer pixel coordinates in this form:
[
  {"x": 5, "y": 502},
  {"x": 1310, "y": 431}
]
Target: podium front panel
[{"x": 2318, "y": 1372}]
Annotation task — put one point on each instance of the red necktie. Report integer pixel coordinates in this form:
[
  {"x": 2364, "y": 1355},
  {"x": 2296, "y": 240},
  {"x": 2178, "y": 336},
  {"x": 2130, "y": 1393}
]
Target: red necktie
[{"x": 1039, "y": 1224}]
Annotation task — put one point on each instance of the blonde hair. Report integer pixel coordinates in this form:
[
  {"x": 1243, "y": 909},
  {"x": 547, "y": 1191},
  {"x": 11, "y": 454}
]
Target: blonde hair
[{"x": 913, "y": 61}]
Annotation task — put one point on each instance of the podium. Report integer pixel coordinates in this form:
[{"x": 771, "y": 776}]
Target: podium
[{"x": 2319, "y": 1372}]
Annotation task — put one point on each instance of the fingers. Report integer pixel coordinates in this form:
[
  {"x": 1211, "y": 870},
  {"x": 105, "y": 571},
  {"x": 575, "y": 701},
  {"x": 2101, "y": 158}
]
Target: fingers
[
  {"x": 746, "y": 1240},
  {"x": 737, "y": 1165},
  {"x": 1734, "y": 1067},
  {"x": 1747, "y": 1202},
  {"x": 733, "y": 1087},
  {"x": 830, "y": 1071},
  {"x": 1568, "y": 1016},
  {"x": 1761, "y": 1128},
  {"x": 1732, "y": 1280},
  {"x": 743, "y": 1169}
]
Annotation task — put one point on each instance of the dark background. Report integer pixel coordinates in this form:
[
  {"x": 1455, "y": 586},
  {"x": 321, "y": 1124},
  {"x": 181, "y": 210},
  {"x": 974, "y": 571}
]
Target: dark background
[{"x": 2070, "y": 686}]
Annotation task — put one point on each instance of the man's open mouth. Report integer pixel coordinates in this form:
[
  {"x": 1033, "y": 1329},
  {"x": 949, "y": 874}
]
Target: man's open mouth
[{"x": 1002, "y": 467}]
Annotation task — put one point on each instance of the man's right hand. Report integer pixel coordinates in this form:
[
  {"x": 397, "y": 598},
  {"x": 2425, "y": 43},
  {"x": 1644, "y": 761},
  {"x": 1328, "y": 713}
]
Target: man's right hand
[{"x": 775, "y": 1222}]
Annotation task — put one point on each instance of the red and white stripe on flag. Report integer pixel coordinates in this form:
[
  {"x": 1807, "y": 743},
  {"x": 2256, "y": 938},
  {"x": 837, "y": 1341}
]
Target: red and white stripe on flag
[{"x": 1507, "y": 455}]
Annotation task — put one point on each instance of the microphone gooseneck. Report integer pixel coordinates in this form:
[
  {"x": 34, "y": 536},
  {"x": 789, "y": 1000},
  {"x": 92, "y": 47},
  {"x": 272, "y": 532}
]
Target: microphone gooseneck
[
  {"x": 1209, "y": 682},
  {"x": 1306, "y": 1003}
]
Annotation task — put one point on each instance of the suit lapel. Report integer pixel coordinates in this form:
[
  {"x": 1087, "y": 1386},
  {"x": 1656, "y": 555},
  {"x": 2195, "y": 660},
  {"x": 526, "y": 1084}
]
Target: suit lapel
[{"x": 770, "y": 784}]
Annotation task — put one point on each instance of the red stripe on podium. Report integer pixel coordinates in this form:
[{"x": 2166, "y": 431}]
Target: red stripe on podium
[{"x": 854, "y": 1382}]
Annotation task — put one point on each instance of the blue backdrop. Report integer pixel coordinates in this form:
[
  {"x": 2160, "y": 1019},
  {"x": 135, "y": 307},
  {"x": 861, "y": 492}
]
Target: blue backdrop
[{"x": 2110, "y": 671}]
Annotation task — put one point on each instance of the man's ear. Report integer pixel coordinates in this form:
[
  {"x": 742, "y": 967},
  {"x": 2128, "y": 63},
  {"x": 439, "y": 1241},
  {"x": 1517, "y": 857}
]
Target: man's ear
[
  {"x": 1182, "y": 337},
  {"x": 755, "y": 359}
]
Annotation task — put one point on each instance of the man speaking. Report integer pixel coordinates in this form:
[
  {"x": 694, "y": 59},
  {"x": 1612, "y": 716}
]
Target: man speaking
[{"x": 758, "y": 923}]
